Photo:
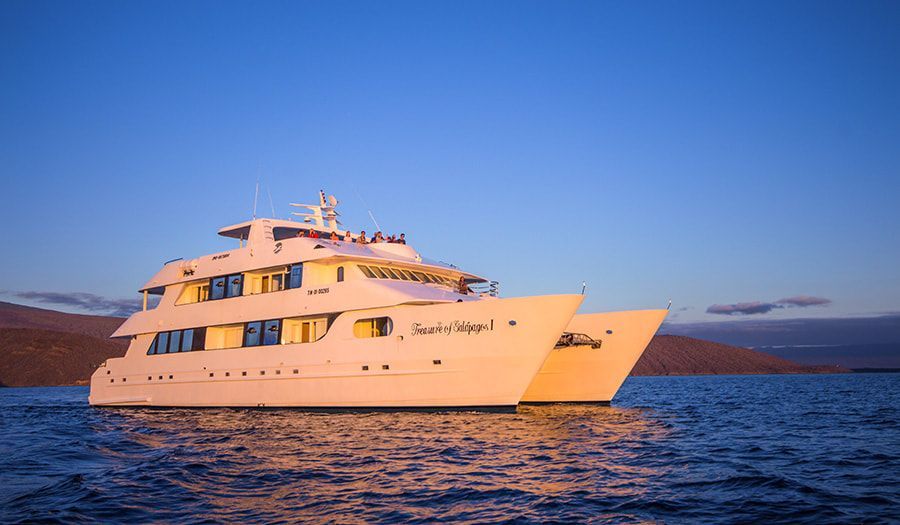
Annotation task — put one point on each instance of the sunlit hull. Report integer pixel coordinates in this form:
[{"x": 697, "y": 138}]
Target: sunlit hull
[
  {"x": 586, "y": 374},
  {"x": 486, "y": 367}
]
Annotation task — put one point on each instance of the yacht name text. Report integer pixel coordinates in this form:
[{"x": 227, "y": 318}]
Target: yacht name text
[{"x": 452, "y": 327}]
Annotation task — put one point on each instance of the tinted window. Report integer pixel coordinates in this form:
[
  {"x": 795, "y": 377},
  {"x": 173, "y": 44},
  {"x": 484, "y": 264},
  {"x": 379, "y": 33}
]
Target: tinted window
[
  {"x": 296, "y": 276},
  {"x": 152, "y": 348},
  {"x": 272, "y": 331},
  {"x": 218, "y": 288},
  {"x": 391, "y": 273},
  {"x": 251, "y": 333},
  {"x": 411, "y": 275},
  {"x": 162, "y": 342},
  {"x": 340, "y": 274},
  {"x": 366, "y": 271},
  {"x": 187, "y": 340},
  {"x": 199, "y": 339},
  {"x": 379, "y": 273},
  {"x": 175, "y": 341},
  {"x": 234, "y": 285}
]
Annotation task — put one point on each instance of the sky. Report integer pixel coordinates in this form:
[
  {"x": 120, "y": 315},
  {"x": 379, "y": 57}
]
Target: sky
[{"x": 741, "y": 159}]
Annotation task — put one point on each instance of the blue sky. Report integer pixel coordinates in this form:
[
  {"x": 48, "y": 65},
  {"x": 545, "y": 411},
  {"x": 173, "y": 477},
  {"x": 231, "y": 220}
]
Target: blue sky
[{"x": 709, "y": 153}]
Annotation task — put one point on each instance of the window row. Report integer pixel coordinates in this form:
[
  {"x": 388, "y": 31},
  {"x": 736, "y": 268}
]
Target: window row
[
  {"x": 178, "y": 341},
  {"x": 260, "y": 333},
  {"x": 383, "y": 272},
  {"x": 248, "y": 283}
]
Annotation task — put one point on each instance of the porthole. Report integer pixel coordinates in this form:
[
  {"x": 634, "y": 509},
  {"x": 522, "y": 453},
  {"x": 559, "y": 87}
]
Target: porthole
[
  {"x": 278, "y": 372},
  {"x": 243, "y": 373},
  {"x": 296, "y": 371},
  {"x": 111, "y": 380},
  {"x": 262, "y": 372},
  {"x": 170, "y": 376},
  {"x": 365, "y": 367},
  {"x": 436, "y": 361},
  {"x": 212, "y": 374},
  {"x": 227, "y": 374},
  {"x": 385, "y": 367},
  {"x": 149, "y": 378}
]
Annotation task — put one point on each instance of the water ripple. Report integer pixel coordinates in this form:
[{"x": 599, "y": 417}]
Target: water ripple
[{"x": 778, "y": 449}]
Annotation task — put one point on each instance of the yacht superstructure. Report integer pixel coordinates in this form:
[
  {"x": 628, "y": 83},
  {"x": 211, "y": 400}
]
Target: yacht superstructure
[{"x": 293, "y": 321}]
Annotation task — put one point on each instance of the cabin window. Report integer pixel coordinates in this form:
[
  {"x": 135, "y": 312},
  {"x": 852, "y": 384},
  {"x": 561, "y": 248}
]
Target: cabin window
[
  {"x": 380, "y": 274},
  {"x": 174, "y": 341},
  {"x": 300, "y": 330},
  {"x": 340, "y": 274},
  {"x": 217, "y": 288},
  {"x": 251, "y": 333},
  {"x": 402, "y": 274},
  {"x": 152, "y": 349},
  {"x": 187, "y": 340},
  {"x": 422, "y": 277},
  {"x": 373, "y": 327},
  {"x": 235, "y": 285},
  {"x": 296, "y": 278},
  {"x": 366, "y": 271},
  {"x": 391, "y": 273},
  {"x": 272, "y": 332},
  {"x": 162, "y": 342}
]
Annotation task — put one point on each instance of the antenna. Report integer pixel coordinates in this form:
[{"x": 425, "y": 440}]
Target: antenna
[
  {"x": 255, "y": 197},
  {"x": 371, "y": 216},
  {"x": 583, "y": 287},
  {"x": 272, "y": 204}
]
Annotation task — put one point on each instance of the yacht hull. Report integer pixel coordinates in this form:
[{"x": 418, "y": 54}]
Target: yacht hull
[
  {"x": 478, "y": 354},
  {"x": 582, "y": 374}
]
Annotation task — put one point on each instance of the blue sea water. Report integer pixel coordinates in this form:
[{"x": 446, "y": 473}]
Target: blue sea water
[{"x": 727, "y": 449}]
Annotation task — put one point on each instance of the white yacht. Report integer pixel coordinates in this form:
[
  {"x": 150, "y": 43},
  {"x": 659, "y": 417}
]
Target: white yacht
[
  {"x": 285, "y": 320},
  {"x": 593, "y": 357}
]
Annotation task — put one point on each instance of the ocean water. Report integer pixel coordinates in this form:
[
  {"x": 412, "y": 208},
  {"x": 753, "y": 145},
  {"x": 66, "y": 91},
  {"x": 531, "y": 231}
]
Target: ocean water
[{"x": 728, "y": 449}]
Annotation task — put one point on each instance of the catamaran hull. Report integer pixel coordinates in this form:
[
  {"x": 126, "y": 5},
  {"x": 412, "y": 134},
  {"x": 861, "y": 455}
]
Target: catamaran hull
[
  {"x": 478, "y": 354},
  {"x": 582, "y": 374}
]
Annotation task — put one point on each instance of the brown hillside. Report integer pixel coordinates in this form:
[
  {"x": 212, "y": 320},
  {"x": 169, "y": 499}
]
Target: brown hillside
[
  {"x": 18, "y": 316},
  {"x": 680, "y": 355},
  {"x": 34, "y": 357}
]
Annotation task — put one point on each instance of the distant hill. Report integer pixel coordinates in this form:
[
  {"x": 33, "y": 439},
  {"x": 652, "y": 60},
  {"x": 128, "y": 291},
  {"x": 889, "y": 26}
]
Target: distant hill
[
  {"x": 679, "y": 355},
  {"x": 41, "y": 347},
  {"x": 34, "y": 357},
  {"x": 851, "y": 356},
  {"x": 19, "y": 316}
]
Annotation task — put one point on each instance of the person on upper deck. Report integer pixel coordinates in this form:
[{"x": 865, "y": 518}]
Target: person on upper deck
[
  {"x": 463, "y": 287},
  {"x": 301, "y": 233},
  {"x": 313, "y": 234},
  {"x": 402, "y": 239},
  {"x": 362, "y": 238},
  {"x": 334, "y": 236},
  {"x": 348, "y": 237}
]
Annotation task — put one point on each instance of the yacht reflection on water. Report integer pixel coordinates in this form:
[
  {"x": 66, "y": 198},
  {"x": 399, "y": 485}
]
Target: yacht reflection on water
[{"x": 292, "y": 461}]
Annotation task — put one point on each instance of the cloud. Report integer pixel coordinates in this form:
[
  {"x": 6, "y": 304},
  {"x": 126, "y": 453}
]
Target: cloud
[
  {"x": 804, "y": 301},
  {"x": 759, "y": 307},
  {"x": 84, "y": 301},
  {"x": 751, "y": 308}
]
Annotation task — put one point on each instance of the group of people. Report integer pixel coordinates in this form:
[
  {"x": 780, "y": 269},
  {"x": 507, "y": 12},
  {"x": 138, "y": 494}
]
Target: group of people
[
  {"x": 360, "y": 239},
  {"x": 378, "y": 237}
]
